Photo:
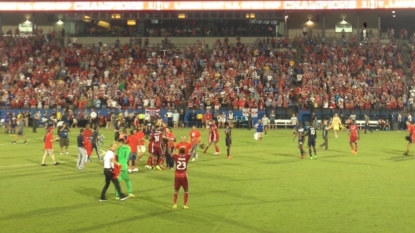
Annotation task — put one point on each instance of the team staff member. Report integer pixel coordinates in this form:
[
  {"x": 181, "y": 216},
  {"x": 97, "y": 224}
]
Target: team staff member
[
  {"x": 95, "y": 139},
  {"x": 367, "y": 122},
  {"x": 63, "y": 138},
  {"x": 20, "y": 131},
  {"x": 49, "y": 147},
  {"x": 109, "y": 162},
  {"x": 228, "y": 134},
  {"x": 325, "y": 138},
  {"x": 81, "y": 150},
  {"x": 35, "y": 122},
  {"x": 117, "y": 131}
]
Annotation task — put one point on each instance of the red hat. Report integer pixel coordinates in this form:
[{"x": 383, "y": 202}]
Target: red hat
[{"x": 50, "y": 129}]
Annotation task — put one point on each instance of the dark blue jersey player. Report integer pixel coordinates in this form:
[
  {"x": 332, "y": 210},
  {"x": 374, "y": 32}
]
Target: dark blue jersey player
[{"x": 312, "y": 138}]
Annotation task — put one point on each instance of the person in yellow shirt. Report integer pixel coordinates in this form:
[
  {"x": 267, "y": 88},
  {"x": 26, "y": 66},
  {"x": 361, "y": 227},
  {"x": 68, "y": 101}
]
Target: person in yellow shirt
[
  {"x": 58, "y": 115},
  {"x": 335, "y": 125},
  {"x": 199, "y": 120}
]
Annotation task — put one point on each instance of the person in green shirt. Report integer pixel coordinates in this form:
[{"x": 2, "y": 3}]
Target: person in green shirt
[{"x": 123, "y": 153}]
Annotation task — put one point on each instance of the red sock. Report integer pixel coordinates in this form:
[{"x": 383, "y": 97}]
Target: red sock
[
  {"x": 186, "y": 197},
  {"x": 149, "y": 160},
  {"x": 217, "y": 148},
  {"x": 154, "y": 161},
  {"x": 175, "y": 198},
  {"x": 161, "y": 161}
]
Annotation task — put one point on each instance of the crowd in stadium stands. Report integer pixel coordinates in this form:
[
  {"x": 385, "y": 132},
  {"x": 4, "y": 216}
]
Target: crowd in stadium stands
[
  {"x": 38, "y": 73},
  {"x": 180, "y": 29}
]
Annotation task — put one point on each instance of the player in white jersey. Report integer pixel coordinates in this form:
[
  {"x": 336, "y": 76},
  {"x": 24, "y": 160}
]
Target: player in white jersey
[
  {"x": 265, "y": 121},
  {"x": 294, "y": 123}
]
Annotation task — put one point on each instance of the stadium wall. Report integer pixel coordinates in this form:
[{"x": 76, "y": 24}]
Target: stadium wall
[{"x": 281, "y": 114}]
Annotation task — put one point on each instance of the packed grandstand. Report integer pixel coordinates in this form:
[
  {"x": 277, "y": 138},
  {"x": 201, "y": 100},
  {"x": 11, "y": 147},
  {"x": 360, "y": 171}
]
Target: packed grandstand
[{"x": 39, "y": 72}]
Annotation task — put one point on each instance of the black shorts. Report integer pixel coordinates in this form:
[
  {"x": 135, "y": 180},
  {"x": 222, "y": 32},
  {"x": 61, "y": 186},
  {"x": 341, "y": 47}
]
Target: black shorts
[
  {"x": 20, "y": 133},
  {"x": 311, "y": 143},
  {"x": 13, "y": 126},
  {"x": 228, "y": 141},
  {"x": 63, "y": 142}
]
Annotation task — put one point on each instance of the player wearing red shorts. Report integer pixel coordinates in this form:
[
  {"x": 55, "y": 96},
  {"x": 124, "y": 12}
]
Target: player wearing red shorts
[
  {"x": 410, "y": 137},
  {"x": 150, "y": 157},
  {"x": 213, "y": 137},
  {"x": 354, "y": 136},
  {"x": 157, "y": 151},
  {"x": 88, "y": 148},
  {"x": 180, "y": 176}
]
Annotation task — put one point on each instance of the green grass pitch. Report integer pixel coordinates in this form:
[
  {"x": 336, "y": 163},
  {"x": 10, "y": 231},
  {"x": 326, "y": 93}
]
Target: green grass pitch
[{"x": 264, "y": 188}]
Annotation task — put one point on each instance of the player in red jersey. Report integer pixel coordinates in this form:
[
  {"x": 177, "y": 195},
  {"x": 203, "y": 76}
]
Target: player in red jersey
[
  {"x": 180, "y": 176},
  {"x": 150, "y": 157},
  {"x": 185, "y": 144},
  {"x": 157, "y": 150},
  {"x": 410, "y": 137},
  {"x": 354, "y": 136},
  {"x": 213, "y": 137}
]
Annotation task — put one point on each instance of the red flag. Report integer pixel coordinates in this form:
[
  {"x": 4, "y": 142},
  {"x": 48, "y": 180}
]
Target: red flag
[{"x": 117, "y": 169}]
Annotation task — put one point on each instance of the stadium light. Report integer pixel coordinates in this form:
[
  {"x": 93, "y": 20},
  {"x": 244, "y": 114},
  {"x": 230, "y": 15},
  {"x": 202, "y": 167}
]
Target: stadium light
[
  {"x": 343, "y": 22},
  {"x": 309, "y": 22},
  {"x": 27, "y": 22},
  {"x": 131, "y": 22},
  {"x": 60, "y": 22}
]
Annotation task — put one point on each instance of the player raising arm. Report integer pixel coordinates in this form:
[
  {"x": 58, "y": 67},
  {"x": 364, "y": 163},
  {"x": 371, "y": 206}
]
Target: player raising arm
[
  {"x": 301, "y": 140},
  {"x": 180, "y": 176},
  {"x": 312, "y": 138},
  {"x": 354, "y": 136}
]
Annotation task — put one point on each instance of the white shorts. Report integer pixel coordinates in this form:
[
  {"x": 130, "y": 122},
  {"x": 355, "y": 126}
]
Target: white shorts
[{"x": 141, "y": 149}]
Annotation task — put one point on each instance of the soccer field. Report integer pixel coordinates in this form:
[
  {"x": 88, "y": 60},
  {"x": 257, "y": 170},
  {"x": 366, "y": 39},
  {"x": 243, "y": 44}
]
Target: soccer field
[{"x": 264, "y": 188}]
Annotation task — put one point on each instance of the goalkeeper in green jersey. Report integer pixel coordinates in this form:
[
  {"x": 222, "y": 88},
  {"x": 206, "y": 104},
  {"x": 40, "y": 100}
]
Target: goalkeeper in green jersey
[{"x": 123, "y": 153}]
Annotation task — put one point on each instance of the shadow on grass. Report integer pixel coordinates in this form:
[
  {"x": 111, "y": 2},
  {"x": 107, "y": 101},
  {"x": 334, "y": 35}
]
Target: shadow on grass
[
  {"x": 48, "y": 210},
  {"x": 401, "y": 158},
  {"x": 88, "y": 192},
  {"x": 350, "y": 163}
]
